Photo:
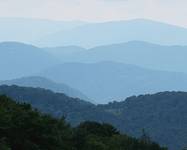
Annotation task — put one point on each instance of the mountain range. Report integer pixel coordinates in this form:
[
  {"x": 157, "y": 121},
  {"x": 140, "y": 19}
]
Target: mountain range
[
  {"x": 26, "y": 128},
  {"x": 18, "y": 56},
  {"x": 57, "y": 104},
  {"x": 108, "y": 81},
  {"x": 161, "y": 115},
  {"x": 41, "y": 82},
  {"x": 99, "y": 68},
  {"x": 147, "y": 55},
  {"x": 18, "y": 59},
  {"x": 87, "y": 72},
  {"x": 45, "y": 33},
  {"x": 96, "y": 34}
]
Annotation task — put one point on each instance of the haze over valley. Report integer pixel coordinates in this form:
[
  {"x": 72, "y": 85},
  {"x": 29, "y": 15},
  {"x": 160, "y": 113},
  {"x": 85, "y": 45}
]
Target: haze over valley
[{"x": 93, "y": 75}]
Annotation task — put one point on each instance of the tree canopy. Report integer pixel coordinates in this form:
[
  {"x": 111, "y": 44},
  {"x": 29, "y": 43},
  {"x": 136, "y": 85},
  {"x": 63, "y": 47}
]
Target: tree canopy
[{"x": 25, "y": 128}]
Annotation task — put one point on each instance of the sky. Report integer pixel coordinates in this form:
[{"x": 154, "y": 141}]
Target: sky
[{"x": 169, "y": 11}]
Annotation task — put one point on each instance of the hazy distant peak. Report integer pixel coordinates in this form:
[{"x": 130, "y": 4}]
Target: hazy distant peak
[
  {"x": 15, "y": 44},
  {"x": 140, "y": 43},
  {"x": 42, "y": 82},
  {"x": 133, "y": 43},
  {"x": 32, "y": 78},
  {"x": 137, "y": 21},
  {"x": 105, "y": 33}
]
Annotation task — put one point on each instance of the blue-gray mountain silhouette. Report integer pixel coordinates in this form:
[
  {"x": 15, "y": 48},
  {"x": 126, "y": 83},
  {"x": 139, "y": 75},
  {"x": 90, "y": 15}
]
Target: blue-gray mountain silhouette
[
  {"x": 63, "y": 53},
  {"x": 147, "y": 55},
  {"x": 108, "y": 81},
  {"x": 94, "y": 34},
  {"x": 18, "y": 59},
  {"x": 41, "y": 82}
]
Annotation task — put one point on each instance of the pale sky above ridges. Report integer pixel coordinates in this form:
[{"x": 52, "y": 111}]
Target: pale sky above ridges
[{"x": 169, "y": 11}]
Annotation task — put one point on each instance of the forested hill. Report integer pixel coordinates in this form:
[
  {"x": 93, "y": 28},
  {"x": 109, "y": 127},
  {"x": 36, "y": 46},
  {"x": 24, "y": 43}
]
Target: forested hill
[
  {"x": 23, "y": 128},
  {"x": 58, "y": 104},
  {"x": 161, "y": 115},
  {"x": 37, "y": 81}
]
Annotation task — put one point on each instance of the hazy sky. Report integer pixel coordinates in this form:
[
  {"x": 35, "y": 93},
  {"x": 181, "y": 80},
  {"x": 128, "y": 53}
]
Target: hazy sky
[{"x": 171, "y": 11}]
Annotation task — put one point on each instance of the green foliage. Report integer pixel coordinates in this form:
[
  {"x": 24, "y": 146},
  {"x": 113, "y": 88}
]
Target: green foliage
[
  {"x": 27, "y": 129},
  {"x": 95, "y": 136},
  {"x": 163, "y": 114},
  {"x": 145, "y": 137},
  {"x": 22, "y": 128},
  {"x": 56, "y": 104}
]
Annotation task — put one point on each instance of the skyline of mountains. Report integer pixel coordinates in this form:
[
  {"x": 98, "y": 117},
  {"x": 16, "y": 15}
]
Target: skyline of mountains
[
  {"x": 18, "y": 60},
  {"x": 144, "y": 54},
  {"x": 129, "y": 73},
  {"x": 41, "y": 82},
  {"x": 47, "y": 33},
  {"x": 108, "y": 81},
  {"x": 97, "y": 34},
  {"x": 102, "y": 73},
  {"x": 113, "y": 67}
]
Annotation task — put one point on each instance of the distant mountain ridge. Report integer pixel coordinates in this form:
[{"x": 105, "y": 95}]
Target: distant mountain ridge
[
  {"x": 96, "y": 34},
  {"x": 45, "y": 33},
  {"x": 57, "y": 104},
  {"x": 147, "y": 55},
  {"x": 107, "y": 81},
  {"x": 18, "y": 59},
  {"x": 41, "y": 82}
]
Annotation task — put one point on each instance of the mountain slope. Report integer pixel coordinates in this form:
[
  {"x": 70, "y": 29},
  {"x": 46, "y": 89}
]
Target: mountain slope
[
  {"x": 64, "y": 53},
  {"x": 24, "y": 128},
  {"x": 161, "y": 115},
  {"x": 18, "y": 59},
  {"x": 58, "y": 104},
  {"x": 108, "y": 81},
  {"x": 45, "y": 83},
  {"x": 148, "y": 55},
  {"x": 96, "y": 34}
]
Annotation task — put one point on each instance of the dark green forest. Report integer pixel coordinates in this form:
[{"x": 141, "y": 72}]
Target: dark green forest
[
  {"x": 25, "y": 128},
  {"x": 161, "y": 115}
]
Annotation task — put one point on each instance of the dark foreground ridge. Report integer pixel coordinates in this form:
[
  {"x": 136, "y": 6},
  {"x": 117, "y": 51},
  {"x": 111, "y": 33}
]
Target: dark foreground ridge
[
  {"x": 161, "y": 115},
  {"x": 24, "y": 128}
]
